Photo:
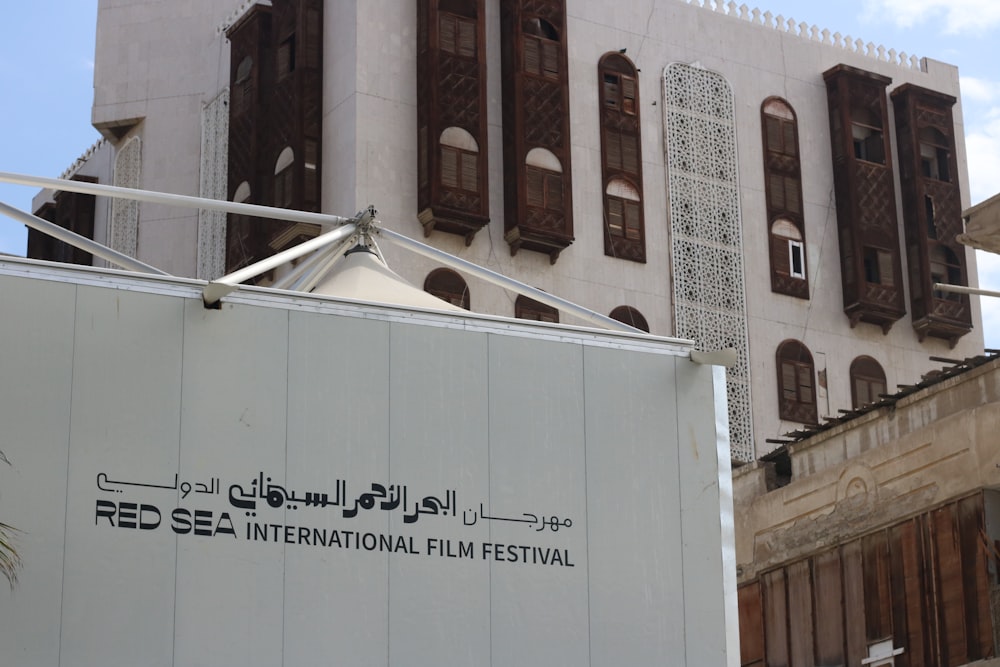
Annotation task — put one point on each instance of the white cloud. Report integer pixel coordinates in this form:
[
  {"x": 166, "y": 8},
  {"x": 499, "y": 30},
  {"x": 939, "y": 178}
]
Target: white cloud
[
  {"x": 982, "y": 144},
  {"x": 978, "y": 90},
  {"x": 989, "y": 278},
  {"x": 959, "y": 15}
]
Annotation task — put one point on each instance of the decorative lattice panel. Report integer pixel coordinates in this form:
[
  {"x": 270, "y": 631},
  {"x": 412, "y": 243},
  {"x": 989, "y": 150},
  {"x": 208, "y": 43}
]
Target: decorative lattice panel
[
  {"x": 706, "y": 236},
  {"x": 124, "y": 231},
  {"x": 214, "y": 170}
]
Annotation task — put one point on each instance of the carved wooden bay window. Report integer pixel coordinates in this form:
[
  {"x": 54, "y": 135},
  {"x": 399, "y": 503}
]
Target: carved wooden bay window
[
  {"x": 932, "y": 211},
  {"x": 783, "y": 189},
  {"x": 621, "y": 158},
  {"x": 453, "y": 183},
  {"x": 537, "y": 190},
  {"x": 871, "y": 267},
  {"x": 275, "y": 124},
  {"x": 70, "y": 210},
  {"x": 796, "y": 383}
]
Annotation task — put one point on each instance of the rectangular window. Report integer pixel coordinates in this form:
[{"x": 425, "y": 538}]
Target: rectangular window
[
  {"x": 796, "y": 260},
  {"x": 286, "y": 57},
  {"x": 458, "y": 35},
  {"x": 878, "y": 266}
]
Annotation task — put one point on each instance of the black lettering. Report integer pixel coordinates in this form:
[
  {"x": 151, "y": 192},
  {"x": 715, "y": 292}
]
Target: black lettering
[
  {"x": 146, "y": 523},
  {"x": 260, "y": 532},
  {"x": 182, "y": 521},
  {"x": 289, "y": 534},
  {"x": 105, "y": 508},
  {"x": 219, "y": 528},
  {"x": 127, "y": 515},
  {"x": 203, "y": 522},
  {"x": 369, "y": 544},
  {"x": 465, "y": 549},
  {"x": 303, "y": 535}
]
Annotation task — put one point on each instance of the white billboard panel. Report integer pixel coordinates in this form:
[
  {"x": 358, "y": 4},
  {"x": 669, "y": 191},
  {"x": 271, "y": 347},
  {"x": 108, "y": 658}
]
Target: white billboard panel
[{"x": 298, "y": 481}]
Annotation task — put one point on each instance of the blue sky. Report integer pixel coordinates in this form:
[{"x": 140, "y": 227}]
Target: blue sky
[{"x": 47, "y": 81}]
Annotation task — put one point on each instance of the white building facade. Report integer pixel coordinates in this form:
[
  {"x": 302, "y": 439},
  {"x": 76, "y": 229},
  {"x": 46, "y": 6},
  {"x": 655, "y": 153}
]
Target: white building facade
[{"x": 681, "y": 166}]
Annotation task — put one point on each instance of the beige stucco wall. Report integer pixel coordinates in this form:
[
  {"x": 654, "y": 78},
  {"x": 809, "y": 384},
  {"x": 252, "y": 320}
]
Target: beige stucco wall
[{"x": 932, "y": 447}]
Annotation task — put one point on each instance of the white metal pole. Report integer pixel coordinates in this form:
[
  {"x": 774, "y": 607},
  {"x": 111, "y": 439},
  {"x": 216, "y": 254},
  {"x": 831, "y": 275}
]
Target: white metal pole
[
  {"x": 77, "y": 241},
  {"x": 960, "y": 289},
  {"x": 255, "y": 210},
  {"x": 219, "y": 288}
]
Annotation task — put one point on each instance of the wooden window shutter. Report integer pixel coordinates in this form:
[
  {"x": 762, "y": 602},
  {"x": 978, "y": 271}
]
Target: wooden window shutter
[
  {"x": 630, "y": 154},
  {"x": 535, "y": 182},
  {"x": 447, "y": 33},
  {"x": 633, "y": 230},
  {"x": 532, "y": 58},
  {"x": 772, "y": 131},
  {"x": 470, "y": 172},
  {"x": 611, "y": 90},
  {"x": 777, "y": 191},
  {"x": 550, "y": 59},
  {"x": 628, "y": 94},
  {"x": 449, "y": 167},
  {"x": 789, "y": 381},
  {"x": 613, "y": 148},
  {"x": 616, "y": 216},
  {"x": 466, "y": 38},
  {"x": 885, "y": 272},
  {"x": 553, "y": 192},
  {"x": 805, "y": 384},
  {"x": 788, "y": 138},
  {"x": 779, "y": 255},
  {"x": 791, "y": 191}
]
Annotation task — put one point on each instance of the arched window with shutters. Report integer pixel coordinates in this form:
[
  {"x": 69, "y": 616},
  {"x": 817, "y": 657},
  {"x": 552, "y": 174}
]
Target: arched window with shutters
[
  {"x": 543, "y": 179},
  {"x": 528, "y": 309},
  {"x": 621, "y": 158},
  {"x": 459, "y": 161},
  {"x": 630, "y": 316},
  {"x": 783, "y": 192},
  {"x": 867, "y": 382},
  {"x": 796, "y": 383},
  {"x": 447, "y": 285}
]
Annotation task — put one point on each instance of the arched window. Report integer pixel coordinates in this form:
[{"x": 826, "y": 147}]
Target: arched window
[
  {"x": 621, "y": 158},
  {"x": 529, "y": 309},
  {"x": 541, "y": 48},
  {"x": 630, "y": 316},
  {"x": 788, "y": 257},
  {"x": 796, "y": 383},
  {"x": 783, "y": 190},
  {"x": 867, "y": 382},
  {"x": 459, "y": 160},
  {"x": 283, "y": 181},
  {"x": 543, "y": 175},
  {"x": 447, "y": 285}
]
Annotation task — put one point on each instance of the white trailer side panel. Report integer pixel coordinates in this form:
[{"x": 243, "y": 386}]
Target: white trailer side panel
[{"x": 298, "y": 481}]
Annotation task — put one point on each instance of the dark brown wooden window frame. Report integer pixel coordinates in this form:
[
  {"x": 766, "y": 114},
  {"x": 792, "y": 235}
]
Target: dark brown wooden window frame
[
  {"x": 621, "y": 157},
  {"x": 526, "y": 308},
  {"x": 867, "y": 381},
  {"x": 796, "y": 383},
  {"x": 783, "y": 197},
  {"x": 449, "y": 286},
  {"x": 630, "y": 316}
]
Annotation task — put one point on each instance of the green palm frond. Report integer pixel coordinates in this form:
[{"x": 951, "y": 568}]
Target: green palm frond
[{"x": 10, "y": 561}]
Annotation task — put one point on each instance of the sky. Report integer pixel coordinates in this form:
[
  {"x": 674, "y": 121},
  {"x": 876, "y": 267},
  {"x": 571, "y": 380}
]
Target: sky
[{"x": 46, "y": 82}]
